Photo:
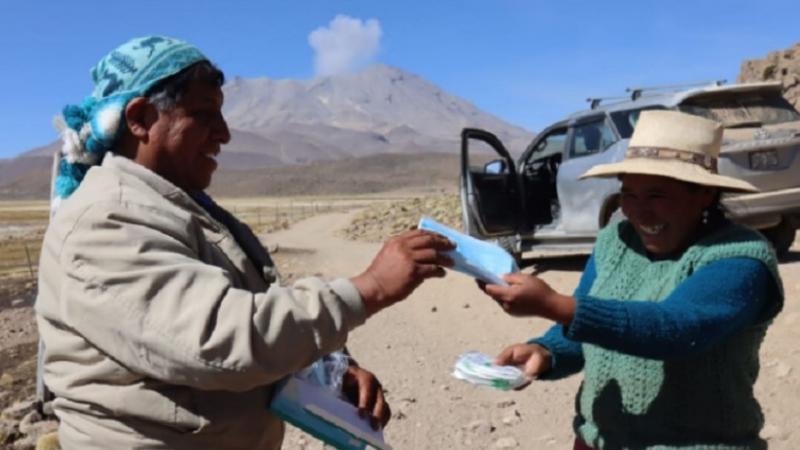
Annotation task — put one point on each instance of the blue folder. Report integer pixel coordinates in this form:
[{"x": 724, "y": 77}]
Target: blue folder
[{"x": 323, "y": 414}]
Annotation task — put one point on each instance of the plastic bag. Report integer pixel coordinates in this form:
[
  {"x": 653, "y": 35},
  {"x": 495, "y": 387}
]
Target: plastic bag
[
  {"x": 478, "y": 368},
  {"x": 327, "y": 371}
]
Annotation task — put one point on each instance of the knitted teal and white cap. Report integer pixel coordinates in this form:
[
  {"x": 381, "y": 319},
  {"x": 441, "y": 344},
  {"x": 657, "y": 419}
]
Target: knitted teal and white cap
[{"x": 129, "y": 71}]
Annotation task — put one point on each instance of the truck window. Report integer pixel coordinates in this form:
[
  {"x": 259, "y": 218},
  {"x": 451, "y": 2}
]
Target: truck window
[
  {"x": 625, "y": 121},
  {"x": 551, "y": 144},
  {"x": 591, "y": 137},
  {"x": 734, "y": 109}
]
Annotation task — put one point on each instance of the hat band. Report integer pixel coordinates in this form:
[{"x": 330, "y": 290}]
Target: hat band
[{"x": 705, "y": 161}]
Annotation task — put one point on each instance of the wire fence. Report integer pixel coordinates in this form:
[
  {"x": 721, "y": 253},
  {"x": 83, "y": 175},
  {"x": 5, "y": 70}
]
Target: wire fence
[
  {"x": 269, "y": 218},
  {"x": 19, "y": 256}
]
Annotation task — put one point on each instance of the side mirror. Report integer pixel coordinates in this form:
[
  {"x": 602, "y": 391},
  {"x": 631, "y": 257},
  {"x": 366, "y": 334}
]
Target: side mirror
[{"x": 495, "y": 167}]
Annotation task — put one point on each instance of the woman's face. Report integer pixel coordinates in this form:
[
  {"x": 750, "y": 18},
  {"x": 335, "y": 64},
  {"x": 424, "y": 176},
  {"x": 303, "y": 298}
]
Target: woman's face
[{"x": 665, "y": 212}]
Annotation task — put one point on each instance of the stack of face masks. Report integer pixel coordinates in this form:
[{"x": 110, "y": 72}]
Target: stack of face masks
[
  {"x": 479, "y": 259},
  {"x": 478, "y": 368}
]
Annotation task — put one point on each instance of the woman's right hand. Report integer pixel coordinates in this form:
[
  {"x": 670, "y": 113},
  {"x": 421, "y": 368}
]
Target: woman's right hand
[
  {"x": 529, "y": 295},
  {"x": 533, "y": 359}
]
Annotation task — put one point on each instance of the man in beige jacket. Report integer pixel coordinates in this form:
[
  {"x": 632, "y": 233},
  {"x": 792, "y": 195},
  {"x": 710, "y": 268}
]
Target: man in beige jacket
[{"x": 162, "y": 316}]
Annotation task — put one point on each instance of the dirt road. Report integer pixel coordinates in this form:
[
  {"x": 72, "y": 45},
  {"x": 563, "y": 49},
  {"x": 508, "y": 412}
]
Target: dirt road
[{"x": 412, "y": 347}]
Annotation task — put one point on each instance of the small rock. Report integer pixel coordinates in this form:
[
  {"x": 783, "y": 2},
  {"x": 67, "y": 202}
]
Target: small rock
[
  {"x": 400, "y": 415},
  {"x": 433, "y": 309},
  {"x": 506, "y": 442},
  {"x": 35, "y": 430},
  {"x": 26, "y": 443},
  {"x": 6, "y": 380},
  {"x": 47, "y": 409},
  {"x": 782, "y": 370},
  {"x": 466, "y": 306},
  {"x": 18, "y": 410},
  {"x": 772, "y": 432},
  {"x": 506, "y": 403},
  {"x": 479, "y": 427},
  {"x": 17, "y": 302},
  {"x": 444, "y": 387},
  {"x": 27, "y": 421},
  {"x": 512, "y": 419},
  {"x": 48, "y": 441},
  {"x": 8, "y": 432}
]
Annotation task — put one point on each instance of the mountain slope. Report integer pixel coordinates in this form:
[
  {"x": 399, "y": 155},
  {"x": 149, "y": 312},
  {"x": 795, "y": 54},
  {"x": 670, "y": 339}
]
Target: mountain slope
[{"x": 381, "y": 110}]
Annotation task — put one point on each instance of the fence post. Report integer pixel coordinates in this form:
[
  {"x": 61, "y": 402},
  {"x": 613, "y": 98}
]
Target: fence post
[{"x": 30, "y": 263}]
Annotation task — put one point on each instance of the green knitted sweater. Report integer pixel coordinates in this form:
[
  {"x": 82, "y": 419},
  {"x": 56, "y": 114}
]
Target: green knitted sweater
[{"x": 695, "y": 402}]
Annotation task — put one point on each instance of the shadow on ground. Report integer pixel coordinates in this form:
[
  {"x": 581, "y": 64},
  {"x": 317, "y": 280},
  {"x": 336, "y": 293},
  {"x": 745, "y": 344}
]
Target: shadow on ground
[
  {"x": 792, "y": 256},
  {"x": 544, "y": 263}
]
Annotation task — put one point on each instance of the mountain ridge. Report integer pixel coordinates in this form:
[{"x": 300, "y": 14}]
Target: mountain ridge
[{"x": 379, "y": 110}]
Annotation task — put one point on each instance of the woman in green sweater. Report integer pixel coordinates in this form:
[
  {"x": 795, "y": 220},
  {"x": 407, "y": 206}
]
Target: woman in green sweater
[{"x": 671, "y": 310}]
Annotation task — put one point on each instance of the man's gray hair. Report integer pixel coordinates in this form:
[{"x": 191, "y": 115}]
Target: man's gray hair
[{"x": 168, "y": 92}]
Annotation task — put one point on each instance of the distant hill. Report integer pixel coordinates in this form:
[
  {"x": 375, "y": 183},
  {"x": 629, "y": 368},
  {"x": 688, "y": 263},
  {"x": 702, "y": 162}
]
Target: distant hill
[
  {"x": 422, "y": 172},
  {"x": 380, "y": 110}
]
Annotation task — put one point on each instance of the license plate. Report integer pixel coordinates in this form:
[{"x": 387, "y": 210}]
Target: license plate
[{"x": 764, "y": 160}]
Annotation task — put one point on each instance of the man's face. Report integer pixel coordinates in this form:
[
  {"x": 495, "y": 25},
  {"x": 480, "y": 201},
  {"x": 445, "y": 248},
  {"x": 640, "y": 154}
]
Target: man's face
[{"x": 186, "y": 139}]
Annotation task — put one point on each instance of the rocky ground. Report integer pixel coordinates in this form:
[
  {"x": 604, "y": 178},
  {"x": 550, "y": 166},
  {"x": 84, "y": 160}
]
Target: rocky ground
[
  {"x": 23, "y": 421},
  {"x": 413, "y": 345},
  {"x": 781, "y": 65},
  {"x": 374, "y": 223}
]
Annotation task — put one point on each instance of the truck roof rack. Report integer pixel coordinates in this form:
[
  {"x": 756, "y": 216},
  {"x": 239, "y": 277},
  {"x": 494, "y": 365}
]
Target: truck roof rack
[
  {"x": 636, "y": 92},
  {"x": 594, "y": 102}
]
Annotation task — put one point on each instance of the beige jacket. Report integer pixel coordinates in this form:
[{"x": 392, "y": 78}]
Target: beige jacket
[{"x": 160, "y": 331}]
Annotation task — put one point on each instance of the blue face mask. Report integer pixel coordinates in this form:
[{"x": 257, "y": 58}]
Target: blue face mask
[{"x": 479, "y": 259}]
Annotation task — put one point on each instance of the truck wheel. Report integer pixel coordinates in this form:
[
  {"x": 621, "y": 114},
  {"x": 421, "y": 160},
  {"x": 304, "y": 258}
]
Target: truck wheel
[{"x": 781, "y": 236}]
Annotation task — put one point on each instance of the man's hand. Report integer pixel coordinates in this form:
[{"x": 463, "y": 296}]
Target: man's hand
[
  {"x": 529, "y": 295},
  {"x": 532, "y": 358},
  {"x": 364, "y": 390},
  {"x": 403, "y": 263}
]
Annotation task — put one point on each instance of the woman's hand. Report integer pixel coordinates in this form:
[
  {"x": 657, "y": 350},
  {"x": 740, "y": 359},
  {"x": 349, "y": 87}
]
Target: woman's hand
[
  {"x": 533, "y": 359},
  {"x": 363, "y": 389},
  {"x": 529, "y": 295}
]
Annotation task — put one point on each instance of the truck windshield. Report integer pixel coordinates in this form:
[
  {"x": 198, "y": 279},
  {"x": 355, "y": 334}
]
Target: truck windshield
[{"x": 742, "y": 109}]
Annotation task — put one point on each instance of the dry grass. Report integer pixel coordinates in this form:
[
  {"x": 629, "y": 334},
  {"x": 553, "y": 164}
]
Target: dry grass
[
  {"x": 22, "y": 223},
  {"x": 268, "y": 214},
  {"x": 22, "y": 226},
  {"x": 21, "y": 212}
]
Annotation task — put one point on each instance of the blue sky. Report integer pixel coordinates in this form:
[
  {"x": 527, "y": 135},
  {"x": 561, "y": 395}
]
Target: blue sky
[{"x": 528, "y": 62}]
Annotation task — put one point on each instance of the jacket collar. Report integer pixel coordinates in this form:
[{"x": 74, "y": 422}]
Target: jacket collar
[{"x": 159, "y": 184}]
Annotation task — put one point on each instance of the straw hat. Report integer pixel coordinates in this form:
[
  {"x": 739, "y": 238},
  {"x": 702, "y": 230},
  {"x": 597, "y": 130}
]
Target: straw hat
[{"x": 675, "y": 145}]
